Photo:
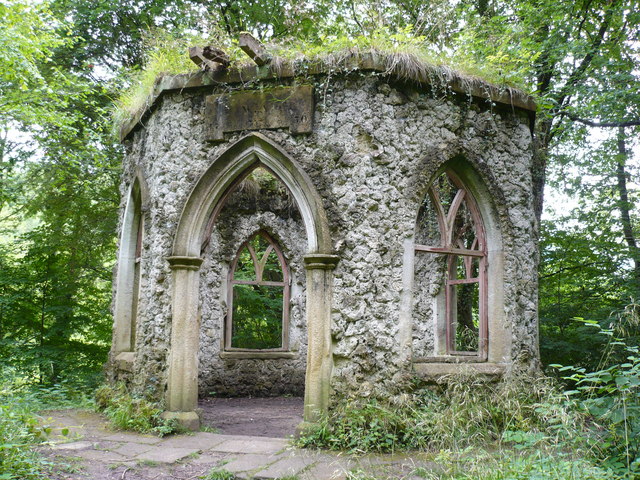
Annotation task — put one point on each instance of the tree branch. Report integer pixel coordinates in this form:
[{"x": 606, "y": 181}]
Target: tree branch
[
  {"x": 572, "y": 267},
  {"x": 576, "y": 75},
  {"x": 591, "y": 123}
]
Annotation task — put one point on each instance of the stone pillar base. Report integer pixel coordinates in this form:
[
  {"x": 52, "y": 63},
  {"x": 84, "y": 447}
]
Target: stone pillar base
[
  {"x": 303, "y": 428},
  {"x": 187, "y": 420},
  {"x": 124, "y": 361}
]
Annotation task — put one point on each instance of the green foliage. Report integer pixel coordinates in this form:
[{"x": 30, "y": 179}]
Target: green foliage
[
  {"x": 21, "y": 427},
  {"x": 29, "y": 34},
  {"x": 18, "y": 432},
  {"x": 467, "y": 412},
  {"x": 218, "y": 474},
  {"x": 129, "y": 412},
  {"x": 257, "y": 317},
  {"x": 58, "y": 200},
  {"x": 578, "y": 278},
  {"x": 611, "y": 394}
]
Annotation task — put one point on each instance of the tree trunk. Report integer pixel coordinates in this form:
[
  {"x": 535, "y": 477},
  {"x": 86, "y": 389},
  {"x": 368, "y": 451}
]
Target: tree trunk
[{"x": 625, "y": 206}]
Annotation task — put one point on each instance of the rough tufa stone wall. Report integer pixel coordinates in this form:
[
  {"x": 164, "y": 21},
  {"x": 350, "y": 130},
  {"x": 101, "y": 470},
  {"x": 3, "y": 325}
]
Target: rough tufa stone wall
[
  {"x": 375, "y": 147},
  {"x": 245, "y": 213}
]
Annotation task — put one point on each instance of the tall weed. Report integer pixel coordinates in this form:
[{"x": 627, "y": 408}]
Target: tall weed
[
  {"x": 611, "y": 394},
  {"x": 540, "y": 464},
  {"x": 467, "y": 412},
  {"x": 130, "y": 412},
  {"x": 20, "y": 428}
]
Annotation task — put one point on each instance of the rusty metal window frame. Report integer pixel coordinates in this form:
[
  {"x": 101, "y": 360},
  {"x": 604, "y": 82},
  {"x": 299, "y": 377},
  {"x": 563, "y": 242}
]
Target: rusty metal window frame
[
  {"x": 453, "y": 250},
  {"x": 259, "y": 265}
]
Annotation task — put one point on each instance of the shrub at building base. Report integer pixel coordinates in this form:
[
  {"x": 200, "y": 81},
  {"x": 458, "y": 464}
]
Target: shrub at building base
[
  {"x": 466, "y": 412},
  {"x": 130, "y": 412}
]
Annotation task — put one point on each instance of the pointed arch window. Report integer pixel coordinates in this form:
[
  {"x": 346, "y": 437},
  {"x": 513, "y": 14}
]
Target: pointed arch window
[
  {"x": 259, "y": 291},
  {"x": 450, "y": 226},
  {"x": 138, "y": 225}
]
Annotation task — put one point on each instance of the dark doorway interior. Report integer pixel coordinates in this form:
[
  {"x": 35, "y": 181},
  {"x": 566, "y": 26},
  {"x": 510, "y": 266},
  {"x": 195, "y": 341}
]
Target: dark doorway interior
[{"x": 260, "y": 417}]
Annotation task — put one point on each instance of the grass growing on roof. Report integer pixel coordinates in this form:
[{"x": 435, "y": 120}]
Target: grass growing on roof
[
  {"x": 165, "y": 54},
  {"x": 402, "y": 53}
]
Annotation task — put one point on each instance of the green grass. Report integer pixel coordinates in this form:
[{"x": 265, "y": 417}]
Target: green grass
[
  {"x": 477, "y": 430},
  {"x": 165, "y": 55},
  {"x": 407, "y": 55},
  {"x": 219, "y": 474},
  {"x": 508, "y": 464}
]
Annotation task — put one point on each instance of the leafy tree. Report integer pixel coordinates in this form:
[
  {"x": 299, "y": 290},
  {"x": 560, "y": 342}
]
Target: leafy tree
[
  {"x": 28, "y": 80},
  {"x": 59, "y": 198}
]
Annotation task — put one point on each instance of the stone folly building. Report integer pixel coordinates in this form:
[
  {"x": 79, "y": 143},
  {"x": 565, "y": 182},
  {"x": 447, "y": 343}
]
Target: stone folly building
[{"x": 324, "y": 231}]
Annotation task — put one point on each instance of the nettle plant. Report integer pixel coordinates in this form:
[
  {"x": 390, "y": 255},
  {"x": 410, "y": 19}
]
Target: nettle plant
[{"x": 611, "y": 394}]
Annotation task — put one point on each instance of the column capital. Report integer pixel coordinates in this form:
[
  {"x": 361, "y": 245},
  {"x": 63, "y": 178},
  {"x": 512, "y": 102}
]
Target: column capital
[
  {"x": 320, "y": 261},
  {"x": 184, "y": 263}
]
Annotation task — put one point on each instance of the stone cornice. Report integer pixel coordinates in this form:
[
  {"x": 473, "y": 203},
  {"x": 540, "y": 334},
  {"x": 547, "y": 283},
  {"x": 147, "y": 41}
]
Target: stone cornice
[
  {"x": 185, "y": 263},
  {"x": 320, "y": 261}
]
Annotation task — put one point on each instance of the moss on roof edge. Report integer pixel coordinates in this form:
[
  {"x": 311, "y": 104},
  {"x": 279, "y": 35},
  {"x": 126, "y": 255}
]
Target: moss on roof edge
[{"x": 399, "y": 65}]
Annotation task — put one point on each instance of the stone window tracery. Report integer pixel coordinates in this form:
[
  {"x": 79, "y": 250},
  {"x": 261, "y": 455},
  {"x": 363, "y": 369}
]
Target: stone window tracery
[
  {"x": 259, "y": 291},
  {"x": 450, "y": 226}
]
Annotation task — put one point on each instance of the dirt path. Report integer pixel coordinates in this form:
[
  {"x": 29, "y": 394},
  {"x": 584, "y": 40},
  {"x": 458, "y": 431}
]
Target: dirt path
[
  {"x": 259, "y": 417},
  {"x": 91, "y": 451}
]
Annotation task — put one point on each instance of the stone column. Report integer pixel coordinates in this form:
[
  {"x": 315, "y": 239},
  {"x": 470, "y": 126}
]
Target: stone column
[
  {"x": 182, "y": 392},
  {"x": 319, "y": 269}
]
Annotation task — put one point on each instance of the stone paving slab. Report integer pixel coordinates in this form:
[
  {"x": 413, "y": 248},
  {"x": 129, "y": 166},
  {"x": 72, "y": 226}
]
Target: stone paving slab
[
  {"x": 100, "y": 453},
  {"x": 210, "y": 458},
  {"x": 160, "y": 454},
  {"x": 81, "y": 445},
  {"x": 249, "y": 462},
  {"x": 101, "y": 456},
  {"x": 252, "y": 445},
  {"x": 324, "y": 471},
  {"x": 134, "y": 438},
  {"x": 200, "y": 440},
  {"x": 286, "y": 467},
  {"x": 132, "y": 449}
]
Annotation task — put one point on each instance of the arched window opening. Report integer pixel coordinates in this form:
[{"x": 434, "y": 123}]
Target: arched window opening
[
  {"x": 450, "y": 226},
  {"x": 258, "y": 315},
  {"x": 129, "y": 274},
  {"x": 258, "y": 190},
  {"x": 138, "y": 230}
]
